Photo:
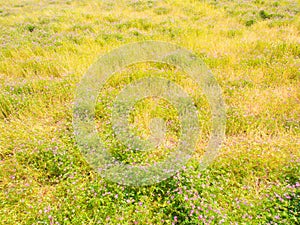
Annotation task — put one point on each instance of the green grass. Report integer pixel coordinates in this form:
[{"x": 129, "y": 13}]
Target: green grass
[{"x": 253, "y": 49}]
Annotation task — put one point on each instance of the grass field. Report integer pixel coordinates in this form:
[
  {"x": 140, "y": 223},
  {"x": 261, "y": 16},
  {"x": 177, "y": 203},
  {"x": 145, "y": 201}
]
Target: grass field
[{"x": 252, "y": 48}]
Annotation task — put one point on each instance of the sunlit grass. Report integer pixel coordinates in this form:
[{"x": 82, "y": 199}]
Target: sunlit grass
[{"x": 252, "y": 48}]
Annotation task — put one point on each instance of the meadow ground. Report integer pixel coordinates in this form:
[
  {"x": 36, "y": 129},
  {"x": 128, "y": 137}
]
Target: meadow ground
[{"x": 252, "y": 48}]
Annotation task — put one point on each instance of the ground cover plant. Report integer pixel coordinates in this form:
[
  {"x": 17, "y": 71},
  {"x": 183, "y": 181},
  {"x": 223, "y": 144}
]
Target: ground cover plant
[{"x": 251, "y": 46}]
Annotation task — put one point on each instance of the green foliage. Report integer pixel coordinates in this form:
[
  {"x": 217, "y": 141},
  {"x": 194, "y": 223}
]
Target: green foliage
[
  {"x": 252, "y": 48},
  {"x": 264, "y": 15}
]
